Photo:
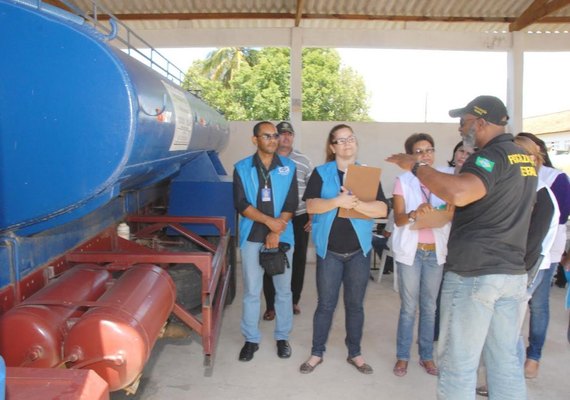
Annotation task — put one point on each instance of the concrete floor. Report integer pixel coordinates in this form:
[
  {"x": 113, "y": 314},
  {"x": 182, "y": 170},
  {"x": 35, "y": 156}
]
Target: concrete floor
[{"x": 175, "y": 369}]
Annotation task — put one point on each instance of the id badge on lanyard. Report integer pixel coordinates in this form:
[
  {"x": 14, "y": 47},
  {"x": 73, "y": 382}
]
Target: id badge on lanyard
[
  {"x": 266, "y": 194},
  {"x": 265, "y": 191}
]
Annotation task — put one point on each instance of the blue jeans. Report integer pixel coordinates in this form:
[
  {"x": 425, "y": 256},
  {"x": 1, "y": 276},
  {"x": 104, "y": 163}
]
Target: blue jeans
[
  {"x": 418, "y": 283},
  {"x": 539, "y": 314},
  {"x": 481, "y": 315},
  {"x": 252, "y": 274},
  {"x": 352, "y": 271}
]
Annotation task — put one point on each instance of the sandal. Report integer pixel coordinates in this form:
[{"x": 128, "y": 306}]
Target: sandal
[
  {"x": 307, "y": 368},
  {"x": 364, "y": 368},
  {"x": 430, "y": 367},
  {"x": 482, "y": 391},
  {"x": 401, "y": 368},
  {"x": 269, "y": 315}
]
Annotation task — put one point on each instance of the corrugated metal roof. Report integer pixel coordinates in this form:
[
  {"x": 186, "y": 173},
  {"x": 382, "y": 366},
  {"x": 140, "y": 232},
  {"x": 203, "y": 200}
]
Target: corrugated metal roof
[{"x": 443, "y": 15}]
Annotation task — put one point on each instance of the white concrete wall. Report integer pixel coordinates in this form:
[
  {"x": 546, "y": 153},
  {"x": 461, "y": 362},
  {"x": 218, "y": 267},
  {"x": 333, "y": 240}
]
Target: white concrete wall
[{"x": 376, "y": 141}]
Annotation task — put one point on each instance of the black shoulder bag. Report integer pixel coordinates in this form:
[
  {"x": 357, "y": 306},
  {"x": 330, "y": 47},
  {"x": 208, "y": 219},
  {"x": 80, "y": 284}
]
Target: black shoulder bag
[{"x": 274, "y": 261}]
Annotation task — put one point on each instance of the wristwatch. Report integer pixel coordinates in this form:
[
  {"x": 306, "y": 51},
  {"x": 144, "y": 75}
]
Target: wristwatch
[
  {"x": 416, "y": 166},
  {"x": 411, "y": 219}
]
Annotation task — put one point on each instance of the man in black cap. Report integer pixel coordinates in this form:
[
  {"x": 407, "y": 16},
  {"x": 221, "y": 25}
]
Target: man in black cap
[
  {"x": 301, "y": 222},
  {"x": 484, "y": 286}
]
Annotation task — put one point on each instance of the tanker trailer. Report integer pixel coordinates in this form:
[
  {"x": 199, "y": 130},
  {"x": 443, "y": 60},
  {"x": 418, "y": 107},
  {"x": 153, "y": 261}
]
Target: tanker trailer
[{"x": 91, "y": 137}]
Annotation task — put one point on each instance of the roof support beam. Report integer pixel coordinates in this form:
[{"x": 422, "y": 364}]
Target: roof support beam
[
  {"x": 537, "y": 11},
  {"x": 299, "y": 12},
  {"x": 347, "y": 17}
]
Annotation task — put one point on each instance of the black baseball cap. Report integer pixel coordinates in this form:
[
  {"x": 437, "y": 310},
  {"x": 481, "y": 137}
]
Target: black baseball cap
[
  {"x": 490, "y": 108},
  {"x": 285, "y": 127}
]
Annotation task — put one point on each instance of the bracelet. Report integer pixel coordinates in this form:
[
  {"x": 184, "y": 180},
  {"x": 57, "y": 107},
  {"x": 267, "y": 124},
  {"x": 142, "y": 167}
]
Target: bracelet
[{"x": 416, "y": 166}]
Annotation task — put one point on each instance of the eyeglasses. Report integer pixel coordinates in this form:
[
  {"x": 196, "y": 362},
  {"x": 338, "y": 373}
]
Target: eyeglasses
[
  {"x": 268, "y": 136},
  {"x": 429, "y": 150},
  {"x": 350, "y": 139},
  {"x": 464, "y": 121}
]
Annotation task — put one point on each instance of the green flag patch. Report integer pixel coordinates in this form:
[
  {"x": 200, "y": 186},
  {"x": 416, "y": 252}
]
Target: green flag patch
[{"x": 484, "y": 163}]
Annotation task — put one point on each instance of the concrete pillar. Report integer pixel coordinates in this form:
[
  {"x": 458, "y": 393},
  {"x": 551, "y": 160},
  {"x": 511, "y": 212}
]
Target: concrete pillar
[
  {"x": 515, "y": 87},
  {"x": 296, "y": 114}
]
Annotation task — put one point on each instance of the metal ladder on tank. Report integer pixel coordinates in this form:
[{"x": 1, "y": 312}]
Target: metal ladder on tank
[{"x": 114, "y": 30}]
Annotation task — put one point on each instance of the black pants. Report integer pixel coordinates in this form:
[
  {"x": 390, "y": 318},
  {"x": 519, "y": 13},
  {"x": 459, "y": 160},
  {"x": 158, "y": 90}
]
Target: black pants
[{"x": 299, "y": 261}]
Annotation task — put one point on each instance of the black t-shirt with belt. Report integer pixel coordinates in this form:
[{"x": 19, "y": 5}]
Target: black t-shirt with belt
[
  {"x": 342, "y": 237},
  {"x": 489, "y": 235}
]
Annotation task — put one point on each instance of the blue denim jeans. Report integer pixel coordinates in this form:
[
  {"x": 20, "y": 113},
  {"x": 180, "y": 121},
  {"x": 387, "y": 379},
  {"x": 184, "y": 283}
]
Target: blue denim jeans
[
  {"x": 418, "y": 284},
  {"x": 481, "y": 315},
  {"x": 539, "y": 314},
  {"x": 521, "y": 353},
  {"x": 252, "y": 274},
  {"x": 352, "y": 271}
]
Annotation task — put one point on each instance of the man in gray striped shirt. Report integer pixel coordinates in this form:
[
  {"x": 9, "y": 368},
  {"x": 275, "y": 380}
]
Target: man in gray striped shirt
[{"x": 301, "y": 222}]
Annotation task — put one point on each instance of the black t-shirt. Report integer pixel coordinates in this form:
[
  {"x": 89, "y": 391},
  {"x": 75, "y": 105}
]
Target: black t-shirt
[
  {"x": 342, "y": 237},
  {"x": 489, "y": 236}
]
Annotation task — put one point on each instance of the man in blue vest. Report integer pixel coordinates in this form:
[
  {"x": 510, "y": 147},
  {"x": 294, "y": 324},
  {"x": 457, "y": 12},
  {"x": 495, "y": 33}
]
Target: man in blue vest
[{"x": 266, "y": 197}]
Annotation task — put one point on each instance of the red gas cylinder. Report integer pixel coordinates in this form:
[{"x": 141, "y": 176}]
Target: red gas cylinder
[
  {"x": 115, "y": 339},
  {"x": 32, "y": 333}
]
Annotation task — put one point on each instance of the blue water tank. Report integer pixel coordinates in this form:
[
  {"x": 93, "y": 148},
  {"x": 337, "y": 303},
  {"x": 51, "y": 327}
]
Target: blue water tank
[{"x": 82, "y": 121}]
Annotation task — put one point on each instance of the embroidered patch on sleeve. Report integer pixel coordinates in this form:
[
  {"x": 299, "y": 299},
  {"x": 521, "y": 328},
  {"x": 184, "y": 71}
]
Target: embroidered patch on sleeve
[{"x": 485, "y": 163}]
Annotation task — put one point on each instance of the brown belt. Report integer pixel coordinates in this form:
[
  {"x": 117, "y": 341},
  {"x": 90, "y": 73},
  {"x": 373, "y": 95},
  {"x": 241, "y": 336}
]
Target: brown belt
[{"x": 426, "y": 246}]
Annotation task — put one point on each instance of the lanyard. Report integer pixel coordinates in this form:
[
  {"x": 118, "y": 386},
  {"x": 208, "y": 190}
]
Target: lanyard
[
  {"x": 264, "y": 175},
  {"x": 426, "y": 196}
]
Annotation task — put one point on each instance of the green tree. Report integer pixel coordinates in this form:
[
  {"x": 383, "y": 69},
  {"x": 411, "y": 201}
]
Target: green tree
[
  {"x": 332, "y": 92},
  {"x": 224, "y": 63},
  {"x": 259, "y": 88},
  {"x": 263, "y": 89}
]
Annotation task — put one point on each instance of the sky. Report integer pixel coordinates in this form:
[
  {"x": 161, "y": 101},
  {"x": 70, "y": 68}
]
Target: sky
[{"x": 423, "y": 85}]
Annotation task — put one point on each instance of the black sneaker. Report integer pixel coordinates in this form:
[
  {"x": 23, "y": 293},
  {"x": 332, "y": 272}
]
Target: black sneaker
[
  {"x": 283, "y": 349},
  {"x": 560, "y": 277},
  {"x": 246, "y": 353}
]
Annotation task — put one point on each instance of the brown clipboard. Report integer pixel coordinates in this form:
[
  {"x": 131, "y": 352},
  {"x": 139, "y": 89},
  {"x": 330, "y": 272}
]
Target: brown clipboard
[
  {"x": 363, "y": 182},
  {"x": 434, "y": 219}
]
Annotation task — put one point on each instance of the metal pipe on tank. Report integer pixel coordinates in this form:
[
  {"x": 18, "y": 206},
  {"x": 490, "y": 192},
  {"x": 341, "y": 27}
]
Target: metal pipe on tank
[
  {"x": 32, "y": 333},
  {"x": 115, "y": 338}
]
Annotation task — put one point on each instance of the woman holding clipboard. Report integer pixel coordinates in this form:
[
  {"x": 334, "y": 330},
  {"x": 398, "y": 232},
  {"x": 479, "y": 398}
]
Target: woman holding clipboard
[{"x": 343, "y": 247}]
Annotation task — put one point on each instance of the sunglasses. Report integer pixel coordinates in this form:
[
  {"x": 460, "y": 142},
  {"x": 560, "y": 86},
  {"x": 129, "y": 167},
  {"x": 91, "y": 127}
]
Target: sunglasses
[
  {"x": 268, "y": 136},
  {"x": 464, "y": 121}
]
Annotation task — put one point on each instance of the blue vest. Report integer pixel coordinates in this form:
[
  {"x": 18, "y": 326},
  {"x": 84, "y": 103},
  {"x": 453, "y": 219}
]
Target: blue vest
[
  {"x": 281, "y": 178},
  {"x": 322, "y": 223}
]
